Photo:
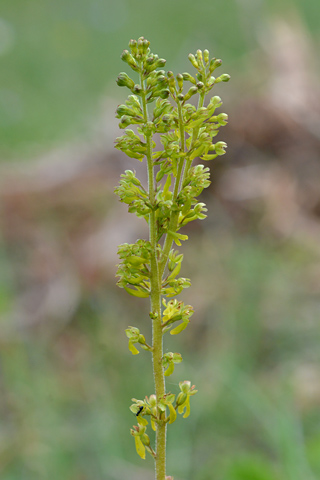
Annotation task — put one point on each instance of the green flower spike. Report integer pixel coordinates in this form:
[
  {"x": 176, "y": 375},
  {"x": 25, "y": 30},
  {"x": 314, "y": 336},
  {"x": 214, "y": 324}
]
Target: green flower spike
[{"x": 158, "y": 109}]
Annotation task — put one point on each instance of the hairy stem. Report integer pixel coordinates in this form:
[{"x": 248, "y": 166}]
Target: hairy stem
[{"x": 157, "y": 335}]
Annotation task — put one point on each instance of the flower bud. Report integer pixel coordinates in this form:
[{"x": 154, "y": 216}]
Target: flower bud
[
  {"x": 133, "y": 47},
  {"x": 161, "y": 81},
  {"x": 166, "y": 118},
  {"x": 192, "y": 91},
  {"x": 164, "y": 93},
  {"x": 124, "y": 121},
  {"x": 214, "y": 63},
  {"x": 211, "y": 81},
  {"x": 180, "y": 97},
  {"x": 124, "y": 110},
  {"x": 193, "y": 60},
  {"x": 181, "y": 398},
  {"x": 145, "y": 440},
  {"x": 137, "y": 89},
  {"x": 200, "y": 77},
  {"x": 128, "y": 58},
  {"x": 189, "y": 78},
  {"x": 223, "y": 78},
  {"x": 171, "y": 81},
  {"x": 151, "y": 59},
  {"x": 160, "y": 63},
  {"x": 179, "y": 78},
  {"x": 206, "y": 56},
  {"x": 143, "y": 45},
  {"x": 199, "y": 57},
  {"x": 124, "y": 80},
  {"x": 215, "y": 102}
]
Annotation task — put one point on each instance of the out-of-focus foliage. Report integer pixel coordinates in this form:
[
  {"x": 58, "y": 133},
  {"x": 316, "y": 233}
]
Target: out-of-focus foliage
[
  {"x": 58, "y": 58},
  {"x": 65, "y": 370}
]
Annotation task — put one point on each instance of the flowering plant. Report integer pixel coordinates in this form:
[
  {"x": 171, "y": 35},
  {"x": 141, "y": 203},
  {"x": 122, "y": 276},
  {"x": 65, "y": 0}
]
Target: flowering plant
[{"x": 159, "y": 106}]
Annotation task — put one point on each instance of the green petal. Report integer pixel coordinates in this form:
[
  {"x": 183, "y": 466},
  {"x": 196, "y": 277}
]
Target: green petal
[
  {"x": 187, "y": 405},
  {"x": 153, "y": 425},
  {"x": 141, "y": 451},
  {"x": 132, "y": 348},
  {"x": 169, "y": 370},
  {"x": 173, "y": 413}
]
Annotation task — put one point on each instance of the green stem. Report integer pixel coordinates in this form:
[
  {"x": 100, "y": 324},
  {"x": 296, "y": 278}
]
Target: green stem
[{"x": 155, "y": 282}]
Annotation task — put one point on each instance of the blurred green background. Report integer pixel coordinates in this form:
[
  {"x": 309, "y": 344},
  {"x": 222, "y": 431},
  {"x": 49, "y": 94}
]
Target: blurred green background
[{"x": 252, "y": 349}]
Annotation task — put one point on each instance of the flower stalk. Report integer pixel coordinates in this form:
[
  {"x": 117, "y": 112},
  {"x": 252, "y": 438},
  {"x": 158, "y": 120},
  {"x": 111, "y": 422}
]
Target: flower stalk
[{"x": 150, "y": 268}]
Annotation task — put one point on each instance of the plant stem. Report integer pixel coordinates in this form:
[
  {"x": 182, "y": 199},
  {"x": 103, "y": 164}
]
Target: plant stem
[{"x": 157, "y": 335}]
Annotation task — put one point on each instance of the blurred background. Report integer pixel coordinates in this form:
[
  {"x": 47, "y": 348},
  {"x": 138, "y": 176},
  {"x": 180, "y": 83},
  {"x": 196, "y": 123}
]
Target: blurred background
[{"x": 252, "y": 348}]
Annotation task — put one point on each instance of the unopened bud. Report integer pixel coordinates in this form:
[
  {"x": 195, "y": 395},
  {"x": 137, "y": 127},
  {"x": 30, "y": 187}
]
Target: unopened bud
[
  {"x": 143, "y": 45},
  {"x": 189, "y": 78},
  {"x": 161, "y": 81},
  {"x": 133, "y": 47},
  {"x": 125, "y": 121},
  {"x": 160, "y": 63},
  {"x": 180, "y": 81},
  {"x": 199, "y": 57},
  {"x": 137, "y": 89},
  {"x": 225, "y": 77},
  {"x": 164, "y": 93},
  {"x": 215, "y": 102},
  {"x": 214, "y": 63},
  {"x": 192, "y": 90},
  {"x": 166, "y": 118},
  {"x": 124, "y": 80},
  {"x": 181, "y": 398},
  {"x": 124, "y": 110},
  {"x": 145, "y": 439},
  {"x": 206, "y": 56},
  {"x": 128, "y": 58},
  {"x": 193, "y": 60}
]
